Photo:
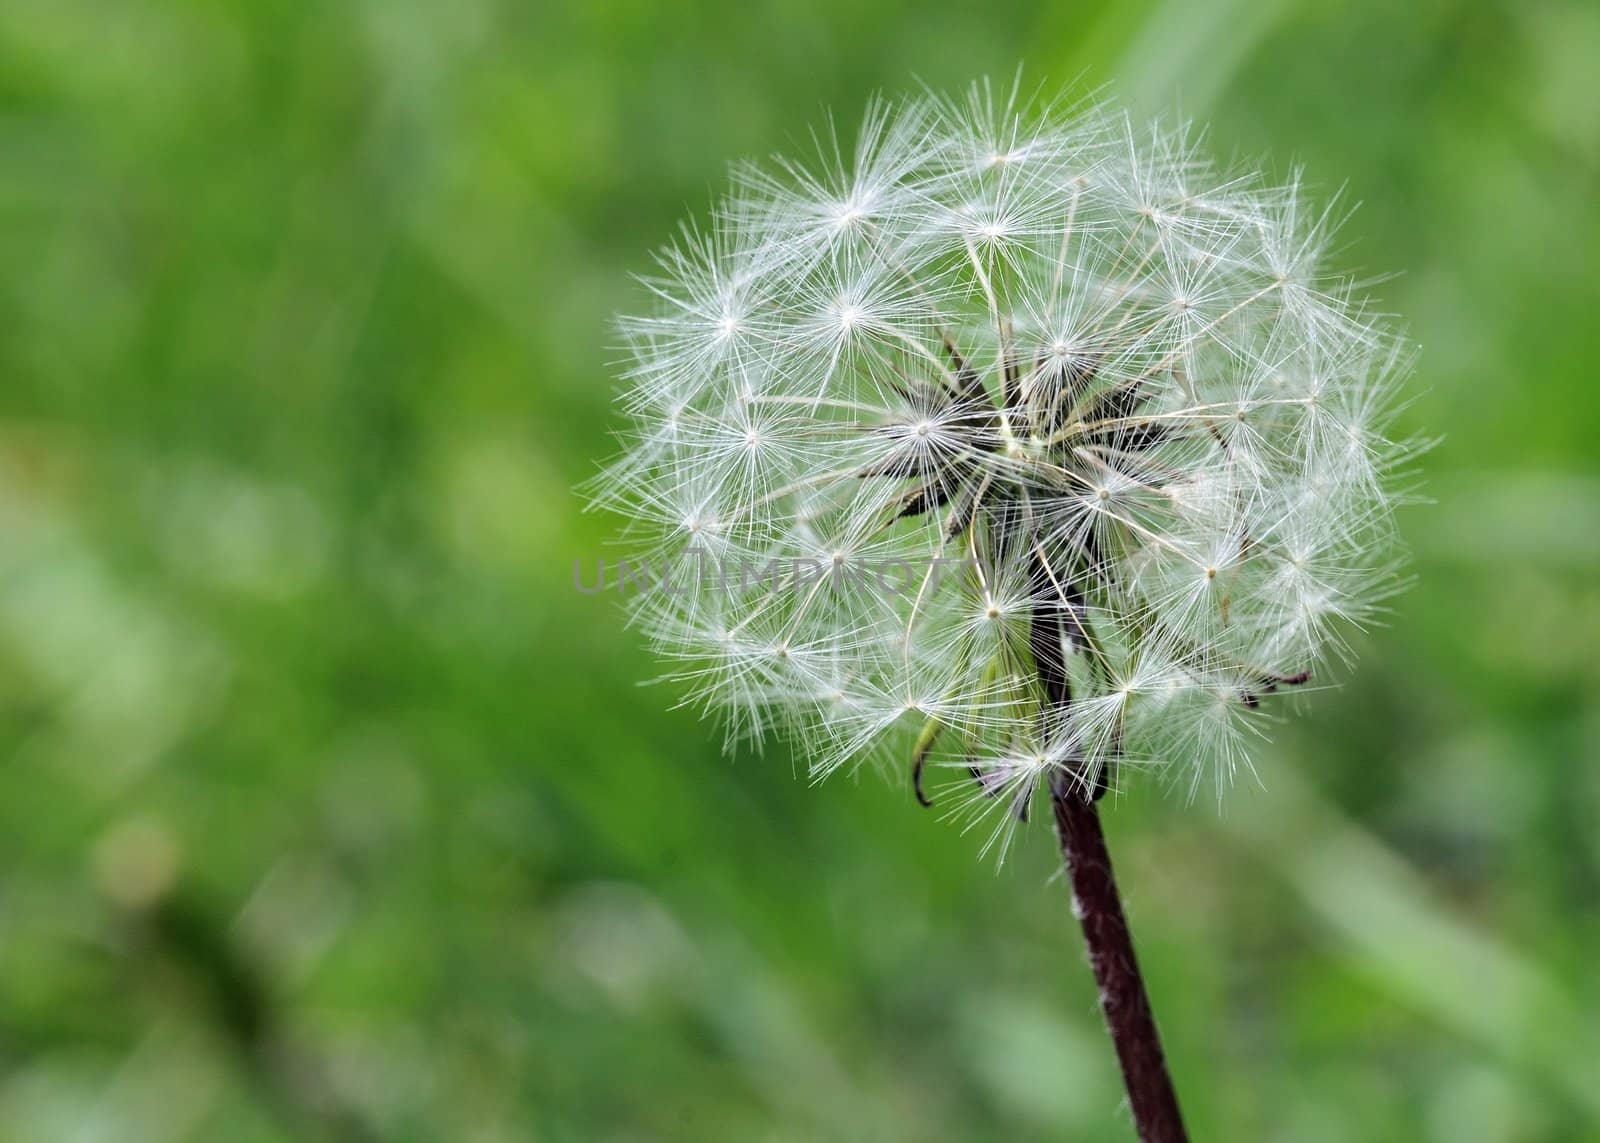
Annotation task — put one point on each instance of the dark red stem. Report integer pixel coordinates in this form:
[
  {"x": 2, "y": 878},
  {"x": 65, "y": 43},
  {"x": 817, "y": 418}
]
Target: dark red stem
[{"x": 1123, "y": 1000}]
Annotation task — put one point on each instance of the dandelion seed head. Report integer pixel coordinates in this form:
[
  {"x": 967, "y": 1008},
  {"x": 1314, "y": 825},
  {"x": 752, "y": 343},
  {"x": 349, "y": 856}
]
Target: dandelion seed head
[{"x": 1071, "y": 389}]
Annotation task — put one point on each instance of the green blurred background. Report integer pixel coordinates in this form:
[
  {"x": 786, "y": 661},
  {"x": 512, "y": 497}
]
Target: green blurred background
[{"x": 329, "y": 810}]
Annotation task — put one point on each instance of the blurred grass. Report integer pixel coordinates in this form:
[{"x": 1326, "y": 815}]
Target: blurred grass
[{"x": 328, "y": 809}]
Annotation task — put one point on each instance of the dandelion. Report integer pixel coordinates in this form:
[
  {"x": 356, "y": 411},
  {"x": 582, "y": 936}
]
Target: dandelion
[{"x": 1095, "y": 397}]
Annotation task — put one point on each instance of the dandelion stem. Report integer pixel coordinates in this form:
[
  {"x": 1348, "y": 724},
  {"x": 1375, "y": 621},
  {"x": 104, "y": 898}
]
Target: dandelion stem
[
  {"x": 1123, "y": 1000},
  {"x": 1056, "y": 627}
]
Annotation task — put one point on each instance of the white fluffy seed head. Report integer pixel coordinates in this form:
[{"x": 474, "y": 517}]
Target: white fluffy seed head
[{"x": 1013, "y": 404}]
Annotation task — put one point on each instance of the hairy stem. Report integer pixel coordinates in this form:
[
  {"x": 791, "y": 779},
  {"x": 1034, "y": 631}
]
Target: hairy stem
[{"x": 1123, "y": 1000}]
